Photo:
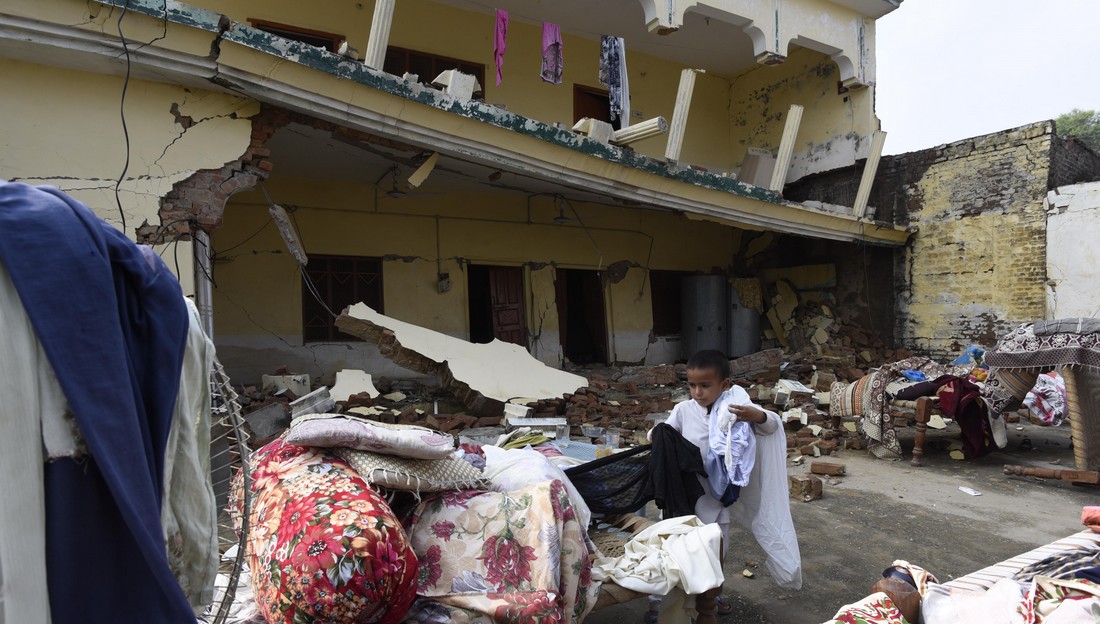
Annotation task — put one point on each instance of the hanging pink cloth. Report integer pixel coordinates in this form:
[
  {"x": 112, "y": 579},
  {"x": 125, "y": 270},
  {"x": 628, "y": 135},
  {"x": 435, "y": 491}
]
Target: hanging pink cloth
[
  {"x": 500, "y": 35},
  {"x": 551, "y": 53}
]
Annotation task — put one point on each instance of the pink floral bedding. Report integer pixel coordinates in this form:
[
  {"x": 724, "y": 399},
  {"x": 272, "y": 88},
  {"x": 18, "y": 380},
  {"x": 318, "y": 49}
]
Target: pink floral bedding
[
  {"x": 323, "y": 546},
  {"x": 501, "y": 557}
]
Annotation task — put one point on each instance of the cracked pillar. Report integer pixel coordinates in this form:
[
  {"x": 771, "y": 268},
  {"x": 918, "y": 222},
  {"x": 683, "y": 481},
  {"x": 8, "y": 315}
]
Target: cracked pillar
[
  {"x": 680, "y": 114},
  {"x": 878, "y": 140}
]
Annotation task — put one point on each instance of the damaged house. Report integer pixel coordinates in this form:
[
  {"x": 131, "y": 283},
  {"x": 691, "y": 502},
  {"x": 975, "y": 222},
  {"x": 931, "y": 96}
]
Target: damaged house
[{"x": 508, "y": 174}]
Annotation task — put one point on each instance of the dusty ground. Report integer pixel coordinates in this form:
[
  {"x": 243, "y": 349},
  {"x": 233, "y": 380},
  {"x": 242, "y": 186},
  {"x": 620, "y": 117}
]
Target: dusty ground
[{"x": 883, "y": 511}]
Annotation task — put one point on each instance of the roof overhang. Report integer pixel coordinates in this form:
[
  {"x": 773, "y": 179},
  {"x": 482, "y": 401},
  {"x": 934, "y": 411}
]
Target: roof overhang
[
  {"x": 254, "y": 64},
  {"x": 870, "y": 8}
]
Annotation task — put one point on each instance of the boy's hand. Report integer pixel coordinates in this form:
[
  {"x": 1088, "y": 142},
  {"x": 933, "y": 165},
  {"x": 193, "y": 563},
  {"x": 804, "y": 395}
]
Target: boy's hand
[{"x": 749, "y": 413}]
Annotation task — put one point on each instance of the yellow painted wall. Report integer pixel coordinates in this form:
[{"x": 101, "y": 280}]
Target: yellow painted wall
[
  {"x": 976, "y": 267},
  {"x": 468, "y": 35},
  {"x": 259, "y": 292},
  {"x": 62, "y": 128},
  {"x": 834, "y": 126}
]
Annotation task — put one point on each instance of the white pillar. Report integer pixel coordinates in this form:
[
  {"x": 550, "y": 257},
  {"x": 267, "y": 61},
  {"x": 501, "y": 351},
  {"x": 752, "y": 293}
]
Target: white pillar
[
  {"x": 878, "y": 140},
  {"x": 379, "y": 34},
  {"x": 637, "y": 132},
  {"x": 680, "y": 115},
  {"x": 786, "y": 148}
]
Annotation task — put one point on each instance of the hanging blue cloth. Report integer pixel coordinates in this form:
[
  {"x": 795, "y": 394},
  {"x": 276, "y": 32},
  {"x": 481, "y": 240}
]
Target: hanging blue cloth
[{"x": 111, "y": 319}]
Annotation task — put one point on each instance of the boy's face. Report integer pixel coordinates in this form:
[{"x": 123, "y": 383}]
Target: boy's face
[{"x": 705, "y": 385}]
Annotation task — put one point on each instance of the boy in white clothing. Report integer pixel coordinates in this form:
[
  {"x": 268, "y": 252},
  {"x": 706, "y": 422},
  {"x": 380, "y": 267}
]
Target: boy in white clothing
[{"x": 714, "y": 401}]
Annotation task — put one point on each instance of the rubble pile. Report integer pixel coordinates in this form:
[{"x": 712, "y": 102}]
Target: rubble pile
[
  {"x": 622, "y": 398},
  {"x": 631, "y": 399},
  {"x": 461, "y": 394}
]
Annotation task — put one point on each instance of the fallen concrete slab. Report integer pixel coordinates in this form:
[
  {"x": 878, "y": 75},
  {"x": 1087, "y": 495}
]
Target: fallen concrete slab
[
  {"x": 483, "y": 376},
  {"x": 352, "y": 381}
]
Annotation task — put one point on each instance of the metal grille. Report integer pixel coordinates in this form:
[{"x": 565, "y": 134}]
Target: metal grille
[{"x": 229, "y": 454}]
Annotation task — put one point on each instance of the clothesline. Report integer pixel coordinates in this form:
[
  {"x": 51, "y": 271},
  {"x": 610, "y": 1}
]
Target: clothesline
[{"x": 573, "y": 31}]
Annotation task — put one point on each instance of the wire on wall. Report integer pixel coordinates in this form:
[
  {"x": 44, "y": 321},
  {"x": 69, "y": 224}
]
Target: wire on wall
[{"x": 122, "y": 115}]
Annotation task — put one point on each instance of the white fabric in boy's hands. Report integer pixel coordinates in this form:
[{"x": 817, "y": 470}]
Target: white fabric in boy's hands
[
  {"x": 725, "y": 417},
  {"x": 731, "y": 439}
]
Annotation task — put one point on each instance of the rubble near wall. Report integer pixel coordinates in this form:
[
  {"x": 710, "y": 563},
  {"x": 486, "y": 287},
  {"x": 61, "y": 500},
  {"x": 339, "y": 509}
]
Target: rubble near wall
[{"x": 975, "y": 267}]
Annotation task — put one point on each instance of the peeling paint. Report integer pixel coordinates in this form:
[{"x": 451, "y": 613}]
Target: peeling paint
[{"x": 334, "y": 64}]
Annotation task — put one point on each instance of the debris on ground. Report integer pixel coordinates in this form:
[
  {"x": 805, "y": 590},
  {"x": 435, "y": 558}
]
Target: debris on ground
[{"x": 491, "y": 389}]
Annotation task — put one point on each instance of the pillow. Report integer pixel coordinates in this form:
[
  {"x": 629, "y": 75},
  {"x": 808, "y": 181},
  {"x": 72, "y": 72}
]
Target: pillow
[
  {"x": 416, "y": 475},
  {"x": 333, "y": 430},
  {"x": 850, "y": 399},
  {"x": 323, "y": 545}
]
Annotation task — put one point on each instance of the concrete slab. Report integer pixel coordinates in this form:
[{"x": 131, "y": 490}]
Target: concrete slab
[
  {"x": 483, "y": 376},
  {"x": 351, "y": 381}
]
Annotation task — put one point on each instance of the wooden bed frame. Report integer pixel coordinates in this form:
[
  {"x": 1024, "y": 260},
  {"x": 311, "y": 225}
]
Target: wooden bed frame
[{"x": 923, "y": 408}]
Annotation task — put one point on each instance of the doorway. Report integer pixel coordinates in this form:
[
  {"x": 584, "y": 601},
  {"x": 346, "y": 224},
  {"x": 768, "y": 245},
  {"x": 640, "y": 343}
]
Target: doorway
[
  {"x": 594, "y": 104},
  {"x": 581, "y": 320},
  {"x": 496, "y": 304}
]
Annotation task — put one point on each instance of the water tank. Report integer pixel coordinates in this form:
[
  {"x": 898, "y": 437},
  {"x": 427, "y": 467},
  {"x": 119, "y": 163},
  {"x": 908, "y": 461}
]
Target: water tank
[
  {"x": 744, "y": 328},
  {"x": 703, "y": 315}
]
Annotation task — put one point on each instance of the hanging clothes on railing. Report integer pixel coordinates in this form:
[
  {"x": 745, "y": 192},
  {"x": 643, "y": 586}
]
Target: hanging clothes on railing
[
  {"x": 613, "y": 76},
  {"x": 551, "y": 53},
  {"x": 500, "y": 36}
]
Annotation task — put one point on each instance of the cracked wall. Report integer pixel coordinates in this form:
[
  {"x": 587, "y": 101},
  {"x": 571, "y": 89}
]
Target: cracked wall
[
  {"x": 1073, "y": 258},
  {"x": 976, "y": 267},
  {"x": 72, "y": 120},
  {"x": 258, "y": 294},
  {"x": 835, "y": 129}
]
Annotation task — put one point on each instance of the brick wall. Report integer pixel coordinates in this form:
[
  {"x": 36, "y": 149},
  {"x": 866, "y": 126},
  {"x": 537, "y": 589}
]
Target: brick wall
[
  {"x": 198, "y": 201},
  {"x": 1071, "y": 162},
  {"x": 975, "y": 267}
]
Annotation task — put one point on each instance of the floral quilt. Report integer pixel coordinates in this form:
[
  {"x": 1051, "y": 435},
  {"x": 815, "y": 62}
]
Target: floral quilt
[
  {"x": 519, "y": 557},
  {"x": 324, "y": 546}
]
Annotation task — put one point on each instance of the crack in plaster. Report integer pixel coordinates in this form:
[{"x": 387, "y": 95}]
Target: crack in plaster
[{"x": 188, "y": 122}]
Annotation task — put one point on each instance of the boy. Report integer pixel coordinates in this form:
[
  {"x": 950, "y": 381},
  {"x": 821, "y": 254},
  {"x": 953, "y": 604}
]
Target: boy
[{"x": 708, "y": 374}]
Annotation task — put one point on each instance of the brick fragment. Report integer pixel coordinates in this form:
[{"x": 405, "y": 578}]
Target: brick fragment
[
  {"x": 833, "y": 469},
  {"x": 805, "y": 488}
]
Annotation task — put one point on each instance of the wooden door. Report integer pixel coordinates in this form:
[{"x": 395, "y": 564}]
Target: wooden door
[
  {"x": 506, "y": 296},
  {"x": 594, "y": 104}
]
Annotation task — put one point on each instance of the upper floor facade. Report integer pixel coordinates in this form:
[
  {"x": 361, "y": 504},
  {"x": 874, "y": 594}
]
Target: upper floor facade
[{"x": 752, "y": 63}]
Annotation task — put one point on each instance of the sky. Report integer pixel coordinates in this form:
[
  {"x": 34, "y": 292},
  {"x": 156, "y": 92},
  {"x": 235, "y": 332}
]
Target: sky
[{"x": 953, "y": 69}]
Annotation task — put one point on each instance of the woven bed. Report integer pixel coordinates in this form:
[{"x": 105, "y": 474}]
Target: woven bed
[
  {"x": 1086, "y": 541},
  {"x": 1073, "y": 347}
]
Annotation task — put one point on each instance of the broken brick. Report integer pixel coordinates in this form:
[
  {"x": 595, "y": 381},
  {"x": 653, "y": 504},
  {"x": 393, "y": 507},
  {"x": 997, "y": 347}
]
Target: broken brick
[
  {"x": 833, "y": 469},
  {"x": 805, "y": 488}
]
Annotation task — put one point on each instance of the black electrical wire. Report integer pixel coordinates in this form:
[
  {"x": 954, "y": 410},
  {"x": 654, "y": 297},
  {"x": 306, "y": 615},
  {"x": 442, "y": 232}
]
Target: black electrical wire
[{"x": 122, "y": 114}]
